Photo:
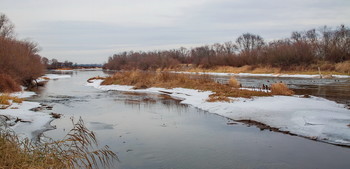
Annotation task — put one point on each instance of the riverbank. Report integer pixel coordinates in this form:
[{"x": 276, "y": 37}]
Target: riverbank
[
  {"x": 313, "y": 117},
  {"x": 292, "y": 75},
  {"x": 23, "y": 120},
  {"x": 325, "y": 69},
  {"x": 23, "y": 117}
]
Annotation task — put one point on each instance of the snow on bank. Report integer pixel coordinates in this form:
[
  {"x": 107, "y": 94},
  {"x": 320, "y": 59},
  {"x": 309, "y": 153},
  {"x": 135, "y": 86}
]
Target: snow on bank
[
  {"x": 63, "y": 71},
  {"x": 265, "y": 75},
  {"x": 314, "y": 117},
  {"x": 56, "y": 76},
  {"x": 23, "y": 94},
  {"x": 23, "y": 121}
]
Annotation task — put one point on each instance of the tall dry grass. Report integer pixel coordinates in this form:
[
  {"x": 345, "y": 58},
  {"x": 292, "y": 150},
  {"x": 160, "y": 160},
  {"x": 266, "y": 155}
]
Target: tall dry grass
[
  {"x": 343, "y": 67},
  {"x": 233, "y": 82},
  {"x": 281, "y": 89},
  {"x": 76, "y": 150}
]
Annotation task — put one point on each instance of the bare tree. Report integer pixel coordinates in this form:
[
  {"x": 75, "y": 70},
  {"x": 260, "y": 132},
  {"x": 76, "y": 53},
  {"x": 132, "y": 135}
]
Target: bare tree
[
  {"x": 6, "y": 27},
  {"x": 248, "y": 42}
]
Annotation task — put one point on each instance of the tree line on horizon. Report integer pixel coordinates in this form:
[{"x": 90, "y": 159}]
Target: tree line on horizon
[
  {"x": 302, "y": 48},
  {"x": 55, "y": 64}
]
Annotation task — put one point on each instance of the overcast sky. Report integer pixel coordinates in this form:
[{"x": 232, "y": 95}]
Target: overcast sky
[{"x": 89, "y": 31}]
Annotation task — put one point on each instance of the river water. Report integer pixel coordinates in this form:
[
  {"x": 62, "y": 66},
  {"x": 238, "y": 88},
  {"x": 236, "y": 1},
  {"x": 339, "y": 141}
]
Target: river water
[{"x": 154, "y": 132}]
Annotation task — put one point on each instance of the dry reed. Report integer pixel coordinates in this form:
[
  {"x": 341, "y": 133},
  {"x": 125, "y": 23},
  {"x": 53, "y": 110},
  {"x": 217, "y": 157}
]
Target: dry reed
[
  {"x": 233, "y": 82},
  {"x": 281, "y": 89},
  {"x": 76, "y": 150}
]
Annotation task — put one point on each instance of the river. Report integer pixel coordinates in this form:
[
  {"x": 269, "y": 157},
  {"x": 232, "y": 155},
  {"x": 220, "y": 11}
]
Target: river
[{"x": 154, "y": 132}]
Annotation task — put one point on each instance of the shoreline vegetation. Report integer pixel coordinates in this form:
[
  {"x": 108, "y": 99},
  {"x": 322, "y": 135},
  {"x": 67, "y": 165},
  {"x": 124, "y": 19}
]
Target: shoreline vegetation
[
  {"x": 20, "y": 63},
  {"x": 221, "y": 92}
]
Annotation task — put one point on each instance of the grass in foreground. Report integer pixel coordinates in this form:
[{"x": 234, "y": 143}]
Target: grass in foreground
[
  {"x": 76, "y": 150},
  {"x": 142, "y": 80},
  {"x": 5, "y": 99}
]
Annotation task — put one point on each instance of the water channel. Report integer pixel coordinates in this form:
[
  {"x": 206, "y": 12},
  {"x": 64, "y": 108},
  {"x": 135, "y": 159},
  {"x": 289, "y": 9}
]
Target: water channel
[{"x": 152, "y": 132}]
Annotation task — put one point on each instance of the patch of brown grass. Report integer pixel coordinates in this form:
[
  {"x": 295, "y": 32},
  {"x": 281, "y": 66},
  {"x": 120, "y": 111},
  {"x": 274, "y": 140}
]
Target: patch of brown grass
[
  {"x": 218, "y": 98},
  {"x": 140, "y": 79},
  {"x": 64, "y": 68},
  {"x": 8, "y": 84},
  {"x": 281, "y": 89},
  {"x": 343, "y": 67},
  {"x": 6, "y": 98},
  {"x": 76, "y": 150},
  {"x": 233, "y": 82}
]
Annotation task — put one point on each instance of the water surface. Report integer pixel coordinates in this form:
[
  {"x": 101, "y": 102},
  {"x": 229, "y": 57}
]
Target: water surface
[{"x": 150, "y": 132}]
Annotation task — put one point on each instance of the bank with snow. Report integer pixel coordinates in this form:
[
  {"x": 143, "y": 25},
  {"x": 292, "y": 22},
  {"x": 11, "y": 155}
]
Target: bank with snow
[
  {"x": 313, "y": 117},
  {"x": 25, "y": 122},
  {"x": 21, "y": 117}
]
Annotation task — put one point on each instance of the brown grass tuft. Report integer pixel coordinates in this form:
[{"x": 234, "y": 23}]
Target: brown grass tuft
[
  {"x": 6, "y": 98},
  {"x": 281, "y": 89},
  {"x": 8, "y": 84},
  {"x": 233, "y": 82}
]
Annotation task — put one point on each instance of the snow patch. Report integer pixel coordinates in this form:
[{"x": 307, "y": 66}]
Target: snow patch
[{"x": 24, "y": 122}]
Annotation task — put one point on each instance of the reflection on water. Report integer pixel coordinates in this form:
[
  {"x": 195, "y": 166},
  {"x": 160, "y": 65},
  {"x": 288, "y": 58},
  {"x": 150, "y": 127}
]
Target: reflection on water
[{"x": 153, "y": 131}]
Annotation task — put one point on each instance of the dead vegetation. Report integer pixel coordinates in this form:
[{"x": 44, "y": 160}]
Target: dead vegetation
[
  {"x": 55, "y": 115},
  {"x": 281, "y": 89},
  {"x": 77, "y": 150},
  {"x": 8, "y": 84},
  {"x": 343, "y": 67},
  {"x": 6, "y": 99},
  {"x": 233, "y": 82},
  {"x": 141, "y": 80},
  {"x": 96, "y": 78}
]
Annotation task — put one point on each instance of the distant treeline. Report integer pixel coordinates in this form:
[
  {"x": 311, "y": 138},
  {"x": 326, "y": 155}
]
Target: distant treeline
[
  {"x": 331, "y": 45},
  {"x": 55, "y": 64},
  {"x": 19, "y": 59}
]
